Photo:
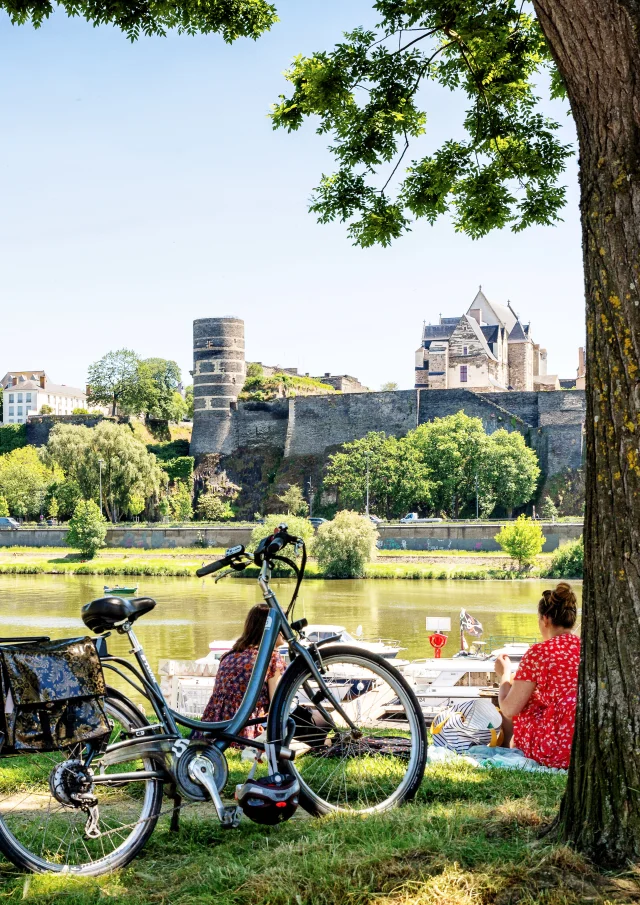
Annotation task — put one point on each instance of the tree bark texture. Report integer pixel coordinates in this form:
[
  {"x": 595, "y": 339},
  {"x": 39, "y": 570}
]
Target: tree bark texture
[{"x": 596, "y": 46}]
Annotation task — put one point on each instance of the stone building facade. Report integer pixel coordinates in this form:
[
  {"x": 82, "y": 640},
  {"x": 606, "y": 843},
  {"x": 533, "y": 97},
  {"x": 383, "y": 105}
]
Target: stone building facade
[
  {"x": 270, "y": 437},
  {"x": 486, "y": 350},
  {"x": 25, "y": 392}
]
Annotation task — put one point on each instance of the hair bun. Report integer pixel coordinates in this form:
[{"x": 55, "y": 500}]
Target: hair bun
[{"x": 563, "y": 593}]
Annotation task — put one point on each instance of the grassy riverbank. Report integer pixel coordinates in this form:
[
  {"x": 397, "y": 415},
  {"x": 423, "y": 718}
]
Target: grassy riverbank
[
  {"x": 471, "y": 838},
  {"x": 184, "y": 563}
]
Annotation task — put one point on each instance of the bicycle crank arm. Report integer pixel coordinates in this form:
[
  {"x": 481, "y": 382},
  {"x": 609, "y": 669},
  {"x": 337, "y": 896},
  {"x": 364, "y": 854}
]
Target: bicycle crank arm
[{"x": 201, "y": 771}]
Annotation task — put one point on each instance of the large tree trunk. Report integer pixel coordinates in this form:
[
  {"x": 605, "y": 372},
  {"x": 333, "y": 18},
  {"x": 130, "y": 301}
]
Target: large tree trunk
[{"x": 596, "y": 45}]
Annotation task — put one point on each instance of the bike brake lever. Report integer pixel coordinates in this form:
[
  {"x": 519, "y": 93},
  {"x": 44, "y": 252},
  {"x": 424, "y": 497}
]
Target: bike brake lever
[{"x": 223, "y": 575}]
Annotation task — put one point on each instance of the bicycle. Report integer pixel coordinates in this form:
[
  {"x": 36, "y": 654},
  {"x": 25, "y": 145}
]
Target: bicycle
[{"x": 343, "y": 721}]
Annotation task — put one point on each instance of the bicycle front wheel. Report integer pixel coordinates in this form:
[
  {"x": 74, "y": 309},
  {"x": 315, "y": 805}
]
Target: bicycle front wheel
[
  {"x": 41, "y": 830},
  {"x": 369, "y": 762}
]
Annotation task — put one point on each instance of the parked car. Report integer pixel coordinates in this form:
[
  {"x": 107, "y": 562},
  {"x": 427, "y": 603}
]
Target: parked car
[
  {"x": 316, "y": 522},
  {"x": 8, "y": 523},
  {"x": 375, "y": 519},
  {"x": 412, "y": 517}
]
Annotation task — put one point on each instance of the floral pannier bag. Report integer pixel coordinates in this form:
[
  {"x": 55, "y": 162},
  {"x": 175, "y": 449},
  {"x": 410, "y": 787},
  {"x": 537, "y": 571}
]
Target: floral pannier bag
[{"x": 51, "y": 695}]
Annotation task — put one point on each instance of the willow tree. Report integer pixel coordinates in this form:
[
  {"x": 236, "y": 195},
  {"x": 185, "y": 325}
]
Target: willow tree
[{"x": 370, "y": 93}]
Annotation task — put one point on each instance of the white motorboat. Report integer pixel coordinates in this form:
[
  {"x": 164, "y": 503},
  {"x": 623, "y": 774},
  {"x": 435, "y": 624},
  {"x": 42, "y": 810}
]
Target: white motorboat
[{"x": 385, "y": 647}]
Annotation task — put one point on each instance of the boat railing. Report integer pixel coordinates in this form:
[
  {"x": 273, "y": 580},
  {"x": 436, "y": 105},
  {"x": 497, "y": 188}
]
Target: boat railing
[
  {"x": 493, "y": 642},
  {"x": 375, "y": 639}
]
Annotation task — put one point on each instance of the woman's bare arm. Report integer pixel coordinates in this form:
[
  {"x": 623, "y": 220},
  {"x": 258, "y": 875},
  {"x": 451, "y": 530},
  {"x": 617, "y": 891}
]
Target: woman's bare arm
[
  {"x": 514, "y": 697},
  {"x": 272, "y": 683}
]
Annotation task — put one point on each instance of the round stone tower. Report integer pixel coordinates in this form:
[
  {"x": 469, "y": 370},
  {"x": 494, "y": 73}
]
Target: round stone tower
[{"x": 219, "y": 371}]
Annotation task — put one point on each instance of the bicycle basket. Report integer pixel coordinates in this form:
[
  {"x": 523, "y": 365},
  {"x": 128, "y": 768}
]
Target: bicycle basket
[{"x": 51, "y": 694}]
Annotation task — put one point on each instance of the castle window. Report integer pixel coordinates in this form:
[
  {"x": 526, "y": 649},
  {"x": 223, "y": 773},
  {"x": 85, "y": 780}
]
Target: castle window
[
  {"x": 465, "y": 350},
  {"x": 463, "y": 373}
]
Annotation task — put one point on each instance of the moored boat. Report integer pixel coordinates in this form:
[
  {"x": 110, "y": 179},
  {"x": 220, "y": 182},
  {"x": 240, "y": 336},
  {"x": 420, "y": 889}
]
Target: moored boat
[{"x": 121, "y": 590}]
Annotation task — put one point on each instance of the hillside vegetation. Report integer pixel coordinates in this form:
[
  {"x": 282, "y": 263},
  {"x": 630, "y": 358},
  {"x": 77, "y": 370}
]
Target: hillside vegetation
[{"x": 261, "y": 388}]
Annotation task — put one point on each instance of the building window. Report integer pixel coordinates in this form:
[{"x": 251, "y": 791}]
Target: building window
[
  {"x": 10, "y": 397},
  {"x": 28, "y": 399},
  {"x": 463, "y": 373},
  {"x": 19, "y": 397},
  {"x": 465, "y": 350},
  {"x": 426, "y": 363},
  {"x": 19, "y": 411},
  {"x": 11, "y": 411}
]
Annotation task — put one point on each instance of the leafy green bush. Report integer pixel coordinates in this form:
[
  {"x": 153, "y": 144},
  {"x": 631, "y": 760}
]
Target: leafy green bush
[
  {"x": 293, "y": 501},
  {"x": 345, "y": 545},
  {"x": 212, "y": 508},
  {"x": 568, "y": 561},
  {"x": 12, "y": 436},
  {"x": 549, "y": 509},
  {"x": 522, "y": 540},
  {"x": 4, "y": 509},
  {"x": 180, "y": 502},
  {"x": 87, "y": 528},
  {"x": 180, "y": 468},
  {"x": 299, "y": 527},
  {"x": 166, "y": 452}
]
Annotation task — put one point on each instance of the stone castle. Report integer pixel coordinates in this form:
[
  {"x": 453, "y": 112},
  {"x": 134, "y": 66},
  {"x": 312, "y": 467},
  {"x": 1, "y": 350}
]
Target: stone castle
[
  {"x": 291, "y": 438},
  {"x": 486, "y": 350}
]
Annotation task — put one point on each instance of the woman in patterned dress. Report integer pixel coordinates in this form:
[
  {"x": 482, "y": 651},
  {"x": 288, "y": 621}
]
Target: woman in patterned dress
[
  {"x": 538, "y": 704},
  {"x": 235, "y": 671}
]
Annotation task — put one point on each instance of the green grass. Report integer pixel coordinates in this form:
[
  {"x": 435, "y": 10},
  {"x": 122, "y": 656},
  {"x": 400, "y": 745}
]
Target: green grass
[
  {"x": 471, "y": 838},
  {"x": 73, "y": 565},
  {"x": 474, "y": 554}
]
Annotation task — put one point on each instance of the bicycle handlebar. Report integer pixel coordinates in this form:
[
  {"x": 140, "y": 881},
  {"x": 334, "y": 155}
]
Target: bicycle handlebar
[
  {"x": 212, "y": 567},
  {"x": 268, "y": 547},
  {"x": 231, "y": 556}
]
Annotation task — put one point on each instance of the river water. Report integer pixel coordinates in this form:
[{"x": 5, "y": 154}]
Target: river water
[{"x": 192, "y": 612}]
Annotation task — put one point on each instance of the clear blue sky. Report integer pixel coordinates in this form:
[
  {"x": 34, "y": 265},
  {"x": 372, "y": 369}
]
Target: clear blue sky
[{"x": 141, "y": 186}]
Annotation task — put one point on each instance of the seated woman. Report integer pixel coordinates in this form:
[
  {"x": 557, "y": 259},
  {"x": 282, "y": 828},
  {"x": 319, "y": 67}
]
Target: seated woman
[
  {"x": 538, "y": 704},
  {"x": 235, "y": 670}
]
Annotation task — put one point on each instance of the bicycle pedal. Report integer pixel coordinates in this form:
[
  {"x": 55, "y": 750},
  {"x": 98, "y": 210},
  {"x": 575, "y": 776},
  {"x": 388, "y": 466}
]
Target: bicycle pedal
[{"x": 231, "y": 817}]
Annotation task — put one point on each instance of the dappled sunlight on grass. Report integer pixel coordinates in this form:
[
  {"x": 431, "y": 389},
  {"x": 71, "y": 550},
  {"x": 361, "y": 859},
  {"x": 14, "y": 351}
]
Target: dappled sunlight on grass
[{"x": 467, "y": 840}]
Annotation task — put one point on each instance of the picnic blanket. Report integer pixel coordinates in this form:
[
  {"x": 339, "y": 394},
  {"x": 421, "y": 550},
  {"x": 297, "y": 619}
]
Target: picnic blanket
[{"x": 489, "y": 758}]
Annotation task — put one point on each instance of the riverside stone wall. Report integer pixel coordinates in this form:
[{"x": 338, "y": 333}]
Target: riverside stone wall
[
  {"x": 552, "y": 421},
  {"x": 445, "y": 536}
]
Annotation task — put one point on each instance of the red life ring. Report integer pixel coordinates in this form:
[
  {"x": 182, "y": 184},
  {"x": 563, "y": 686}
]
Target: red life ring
[{"x": 437, "y": 641}]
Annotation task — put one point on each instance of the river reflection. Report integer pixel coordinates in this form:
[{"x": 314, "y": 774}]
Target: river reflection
[{"x": 192, "y": 612}]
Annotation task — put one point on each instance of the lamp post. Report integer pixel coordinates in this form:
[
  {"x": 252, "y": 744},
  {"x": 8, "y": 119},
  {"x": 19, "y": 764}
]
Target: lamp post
[
  {"x": 310, "y": 497},
  {"x": 367, "y": 456},
  {"x": 100, "y": 466}
]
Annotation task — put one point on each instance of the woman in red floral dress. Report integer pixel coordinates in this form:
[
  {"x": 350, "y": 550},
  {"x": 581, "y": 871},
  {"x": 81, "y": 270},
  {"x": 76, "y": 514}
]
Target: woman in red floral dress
[
  {"x": 235, "y": 671},
  {"x": 538, "y": 704}
]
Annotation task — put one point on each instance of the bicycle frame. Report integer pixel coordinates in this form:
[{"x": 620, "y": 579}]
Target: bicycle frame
[{"x": 226, "y": 732}]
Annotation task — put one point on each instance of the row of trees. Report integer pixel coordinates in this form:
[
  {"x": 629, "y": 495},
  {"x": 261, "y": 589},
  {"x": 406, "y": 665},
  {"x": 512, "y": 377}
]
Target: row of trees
[
  {"x": 441, "y": 467},
  {"x": 108, "y": 461},
  {"x": 130, "y": 385}
]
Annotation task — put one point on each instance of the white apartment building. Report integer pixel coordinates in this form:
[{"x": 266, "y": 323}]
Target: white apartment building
[{"x": 25, "y": 392}]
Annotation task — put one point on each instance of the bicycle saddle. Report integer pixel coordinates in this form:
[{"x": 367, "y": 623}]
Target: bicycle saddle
[{"x": 105, "y": 613}]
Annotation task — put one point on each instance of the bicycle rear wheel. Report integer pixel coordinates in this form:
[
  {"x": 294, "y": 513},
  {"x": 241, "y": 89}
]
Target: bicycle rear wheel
[
  {"x": 41, "y": 833},
  {"x": 370, "y": 769}
]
